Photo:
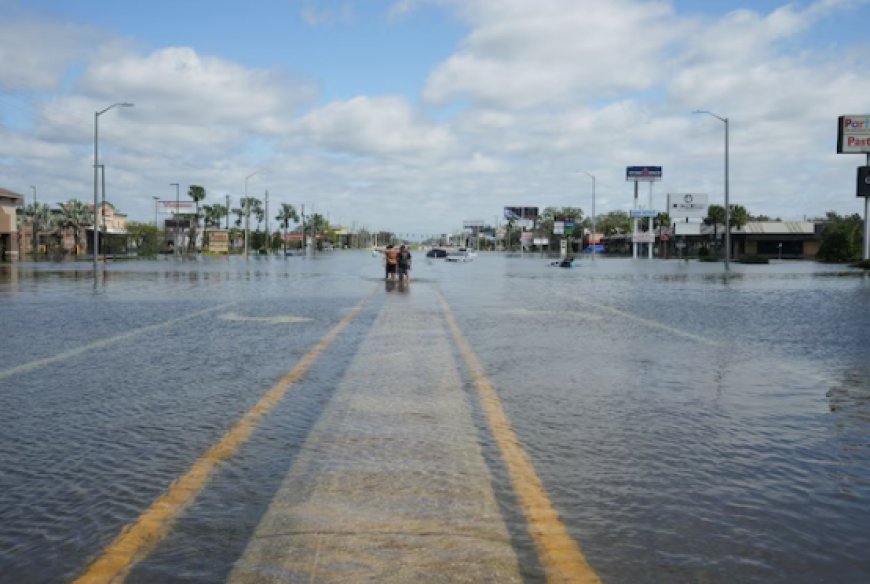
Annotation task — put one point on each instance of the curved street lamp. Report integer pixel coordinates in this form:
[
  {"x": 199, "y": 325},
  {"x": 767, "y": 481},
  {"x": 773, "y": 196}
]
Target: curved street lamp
[
  {"x": 727, "y": 205},
  {"x": 97, "y": 115}
]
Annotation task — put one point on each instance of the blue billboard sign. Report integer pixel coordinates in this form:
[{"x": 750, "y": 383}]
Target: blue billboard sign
[{"x": 643, "y": 173}]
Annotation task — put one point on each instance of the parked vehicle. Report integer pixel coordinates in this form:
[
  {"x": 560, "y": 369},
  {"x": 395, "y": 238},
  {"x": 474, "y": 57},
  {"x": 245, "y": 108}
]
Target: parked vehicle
[{"x": 436, "y": 253}]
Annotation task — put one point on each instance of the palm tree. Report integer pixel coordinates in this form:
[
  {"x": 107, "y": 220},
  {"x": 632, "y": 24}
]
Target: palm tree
[
  {"x": 197, "y": 193},
  {"x": 74, "y": 215},
  {"x": 40, "y": 220},
  {"x": 284, "y": 217},
  {"x": 715, "y": 217},
  {"x": 739, "y": 216}
]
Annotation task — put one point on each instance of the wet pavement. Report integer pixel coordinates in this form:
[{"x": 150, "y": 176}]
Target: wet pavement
[{"x": 685, "y": 426}]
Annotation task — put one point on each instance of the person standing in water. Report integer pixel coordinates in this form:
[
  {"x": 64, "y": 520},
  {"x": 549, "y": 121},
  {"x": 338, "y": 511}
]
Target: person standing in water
[
  {"x": 391, "y": 261},
  {"x": 404, "y": 263}
]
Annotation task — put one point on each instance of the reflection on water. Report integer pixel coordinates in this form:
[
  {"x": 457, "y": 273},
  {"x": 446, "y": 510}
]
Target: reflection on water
[{"x": 690, "y": 426}]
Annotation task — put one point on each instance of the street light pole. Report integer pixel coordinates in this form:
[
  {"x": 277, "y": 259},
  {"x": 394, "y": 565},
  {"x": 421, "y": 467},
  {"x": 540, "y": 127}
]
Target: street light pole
[
  {"x": 103, "y": 210},
  {"x": 155, "y": 210},
  {"x": 593, "y": 210},
  {"x": 246, "y": 208},
  {"x": 97, "y": 115},
  {"x": 727, "y": 204},
  {"x": 177, "y": 203}
]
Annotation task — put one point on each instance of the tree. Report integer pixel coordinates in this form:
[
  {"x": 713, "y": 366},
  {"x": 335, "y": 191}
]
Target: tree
[
  {"x": 40, "y": 220},
  {"x": 715, "y": 217},
  {"x": 211, "y": 218},
  {"x": 317, "y": 223},
  {"x": 613, "y": 222},
  {"x": 74, "y": 215},
  {"x": 841, "y": 238},
  {"x": 197, "y": 193},
  {"x": 739, "y": 216},
  {"x": 284, "y": 217},
  {"x": 145, "y": 237}
]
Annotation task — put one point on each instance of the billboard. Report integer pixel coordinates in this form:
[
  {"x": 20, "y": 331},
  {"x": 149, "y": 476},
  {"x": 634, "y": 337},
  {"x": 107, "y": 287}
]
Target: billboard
[
  {"x": 853, "y": 134},
  {"x": 634, "y": 213},
  {"x": 169, "y": 207},
  {"x": 518, "y": 213},
  {"x": 474, "y": 223},
  {"x": 687, "y": 204},
  {"x": 643, "y": 173}
]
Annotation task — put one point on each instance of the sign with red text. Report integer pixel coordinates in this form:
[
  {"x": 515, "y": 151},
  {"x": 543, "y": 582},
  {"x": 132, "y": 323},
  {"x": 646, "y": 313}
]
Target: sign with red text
[{"x": 853, "y": 134}]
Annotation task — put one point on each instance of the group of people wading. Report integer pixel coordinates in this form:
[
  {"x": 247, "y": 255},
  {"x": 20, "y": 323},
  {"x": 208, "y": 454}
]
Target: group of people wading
[{"x": 397, "y": 262}]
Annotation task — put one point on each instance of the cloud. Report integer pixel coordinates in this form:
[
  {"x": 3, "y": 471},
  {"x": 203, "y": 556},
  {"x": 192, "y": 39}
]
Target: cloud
[
  {"x": 550, "y": 53},
  {"x": 380, "y": 126},
  {"x": 319, "y": 16},
  {"x": 35, "y": 54}
]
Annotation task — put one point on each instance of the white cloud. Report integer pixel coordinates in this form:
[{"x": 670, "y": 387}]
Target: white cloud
[
  {"x": 375, "y": 126},
  {"x": 35, "y": 54},
  {"x": 320, "y": 16},
  {"x": 550, "y": 53}
]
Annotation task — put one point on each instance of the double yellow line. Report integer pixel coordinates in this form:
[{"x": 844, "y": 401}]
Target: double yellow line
[
  {"x": 139, "y": 538},
  {"x": 561, "y": 557}
]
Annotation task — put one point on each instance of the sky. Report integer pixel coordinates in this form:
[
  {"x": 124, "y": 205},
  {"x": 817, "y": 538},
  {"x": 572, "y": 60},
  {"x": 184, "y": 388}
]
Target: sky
[{"x": 414, "y": 116}]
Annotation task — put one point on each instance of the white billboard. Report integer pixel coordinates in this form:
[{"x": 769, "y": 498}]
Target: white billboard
[
  {"x": 687, "y": 205},
  {"x": 687, "y": 228},
  {"x": 169, "y": 207},
  {"x": 644, "y": 237},
  {"x": 853, "y": 134}
]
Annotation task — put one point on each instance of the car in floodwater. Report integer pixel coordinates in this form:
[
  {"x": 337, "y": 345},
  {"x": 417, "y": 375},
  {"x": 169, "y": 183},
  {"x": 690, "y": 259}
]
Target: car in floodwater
[
  {"x": 459, "y": 256},
  {"x": 436, "y": 253}
]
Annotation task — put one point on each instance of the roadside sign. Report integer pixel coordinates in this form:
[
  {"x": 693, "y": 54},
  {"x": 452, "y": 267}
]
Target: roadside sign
[
  {"x": 863, "y": 181},
  {"x": 643, "y": 173},
  {"x": 644, "y": 237},
  {"x": 687, "y": 205},
  {"x": 853, "y": 134},
  {"x": 643, "y": 213}
]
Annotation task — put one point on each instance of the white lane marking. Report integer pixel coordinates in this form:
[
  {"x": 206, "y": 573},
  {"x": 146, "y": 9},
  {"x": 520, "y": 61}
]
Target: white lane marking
[
  {"x": 36, "y": 363},
  {"x": 280, "y": 319},
  {"x": 645, "y": 321}
]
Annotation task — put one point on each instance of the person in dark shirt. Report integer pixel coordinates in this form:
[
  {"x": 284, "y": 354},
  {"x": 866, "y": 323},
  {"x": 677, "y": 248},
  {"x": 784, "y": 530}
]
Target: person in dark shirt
[{"x": 404, "y": 260}]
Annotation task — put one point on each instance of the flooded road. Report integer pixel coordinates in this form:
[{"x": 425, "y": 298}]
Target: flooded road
[{"x": 684, "y": 425}]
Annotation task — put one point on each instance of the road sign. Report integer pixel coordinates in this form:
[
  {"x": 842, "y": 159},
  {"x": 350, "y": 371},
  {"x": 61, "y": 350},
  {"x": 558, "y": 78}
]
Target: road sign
[{"x": 643, "y": 213}]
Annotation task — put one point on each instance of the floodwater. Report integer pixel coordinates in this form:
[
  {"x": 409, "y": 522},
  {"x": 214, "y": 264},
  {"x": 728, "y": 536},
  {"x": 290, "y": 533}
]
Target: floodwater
[{"x": 687, "y": 426}]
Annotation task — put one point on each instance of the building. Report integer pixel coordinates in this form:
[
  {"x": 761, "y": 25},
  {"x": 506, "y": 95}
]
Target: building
[
  {"x": 777, "y": 239},
  {"x": 9, "y": 204},
  {"x": 771, "y": 239}
]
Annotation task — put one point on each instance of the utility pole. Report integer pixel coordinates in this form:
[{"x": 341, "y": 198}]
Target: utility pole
[
  {"x": 304, "y": 243},
  {"x": 268, "y": 235},
  {"x": 177, "y": 203}
]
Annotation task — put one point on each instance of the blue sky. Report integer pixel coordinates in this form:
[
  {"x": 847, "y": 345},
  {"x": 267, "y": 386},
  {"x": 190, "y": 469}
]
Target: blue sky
[{"x": 414, "y": 115}]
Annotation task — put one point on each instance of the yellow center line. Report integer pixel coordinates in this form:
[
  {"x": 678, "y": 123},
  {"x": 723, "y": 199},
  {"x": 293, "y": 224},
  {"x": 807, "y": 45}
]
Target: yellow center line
[
  {"x": 35, "y": 364},
  {"x": 137, "y": 539},
  {"x": 560, "y": 555}
]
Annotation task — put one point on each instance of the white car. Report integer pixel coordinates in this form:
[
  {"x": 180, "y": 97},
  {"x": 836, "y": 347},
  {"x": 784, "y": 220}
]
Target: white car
[{"x": 458, "y": 256}]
